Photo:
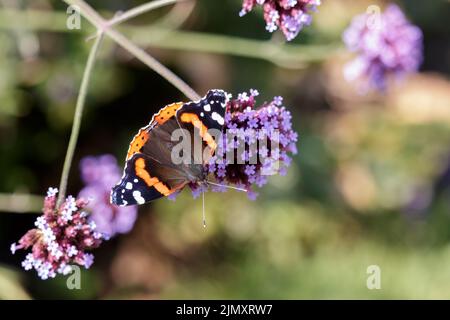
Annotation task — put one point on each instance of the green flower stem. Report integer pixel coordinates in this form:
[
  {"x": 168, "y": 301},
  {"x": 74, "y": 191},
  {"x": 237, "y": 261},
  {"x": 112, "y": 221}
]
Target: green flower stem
[
  {"x": 93, "y": 17},
  {"x": 77, "y": 118}
]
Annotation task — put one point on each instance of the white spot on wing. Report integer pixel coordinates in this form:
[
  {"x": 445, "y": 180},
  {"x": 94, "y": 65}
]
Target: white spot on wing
[
  {"x": 207, "y": 108},
  {"x": 129, "y": 186},
  {"x": 136, "y": 180},
  {"x": 201, "y": 114}
]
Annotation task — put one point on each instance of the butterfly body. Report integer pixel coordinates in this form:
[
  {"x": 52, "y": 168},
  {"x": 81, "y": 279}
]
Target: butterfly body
[{"x": 150, "y": 170}]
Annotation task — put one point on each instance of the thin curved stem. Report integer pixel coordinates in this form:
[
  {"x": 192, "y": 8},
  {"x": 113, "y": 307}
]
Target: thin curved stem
[
  {"x": 177, "y": 16},
  {"x": 77, "y": 118}
]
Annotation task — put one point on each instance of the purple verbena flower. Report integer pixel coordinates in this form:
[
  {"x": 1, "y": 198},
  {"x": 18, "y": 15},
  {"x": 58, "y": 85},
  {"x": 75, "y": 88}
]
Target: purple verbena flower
[
  {"x": 100, "y": 174},
  {"x": 288, "y": 15},
  {"x": 386, "y": 45},
  {"x": 57, "y": 241}
]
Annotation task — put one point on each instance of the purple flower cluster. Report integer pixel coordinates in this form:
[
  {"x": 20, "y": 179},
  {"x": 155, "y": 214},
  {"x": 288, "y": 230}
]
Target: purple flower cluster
[
  {"x": 288, "y": 15},
  {"x": 61, "y": 238},
  {"x": 100, "y": 174},
  {"x": 386, "y": 44},
  {"x": 246, "y": 127}
]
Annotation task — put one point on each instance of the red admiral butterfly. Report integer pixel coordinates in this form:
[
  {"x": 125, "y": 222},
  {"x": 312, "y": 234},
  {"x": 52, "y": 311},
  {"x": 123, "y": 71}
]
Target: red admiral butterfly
[{"x": 149, "y": 171}]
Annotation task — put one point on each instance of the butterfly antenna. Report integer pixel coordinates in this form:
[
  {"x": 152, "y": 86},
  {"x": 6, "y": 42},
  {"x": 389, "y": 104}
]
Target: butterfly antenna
[
  {"x": 226, "y": 186},
  {"x": 203, "y": 207}
]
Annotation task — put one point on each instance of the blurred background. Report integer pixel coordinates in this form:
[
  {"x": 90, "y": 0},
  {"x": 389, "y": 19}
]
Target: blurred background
[{"x": 370, "y": 185}]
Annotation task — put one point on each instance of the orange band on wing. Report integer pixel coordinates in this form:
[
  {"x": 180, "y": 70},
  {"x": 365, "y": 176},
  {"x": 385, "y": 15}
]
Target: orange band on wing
[
  {"x": 150, "y": 181},
  {"x": 193, "y": 118}
]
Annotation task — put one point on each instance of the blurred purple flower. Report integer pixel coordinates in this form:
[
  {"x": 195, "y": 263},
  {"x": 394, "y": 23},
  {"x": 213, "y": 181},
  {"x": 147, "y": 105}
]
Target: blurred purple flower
[
  {"x": 61, "y": 238},
  {"x": 100, "y": 174},
  {"x": 251, "y": 125},
  {"x": 386, "y": 45},
  {"x": 288, "y": 15}
]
